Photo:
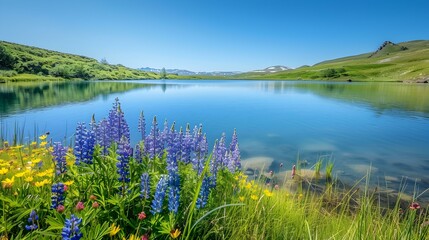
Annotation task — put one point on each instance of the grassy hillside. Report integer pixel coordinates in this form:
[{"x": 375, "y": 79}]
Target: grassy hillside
[
  {"x": 19, "y": 62},
  {"x": 407, "y": 61}
]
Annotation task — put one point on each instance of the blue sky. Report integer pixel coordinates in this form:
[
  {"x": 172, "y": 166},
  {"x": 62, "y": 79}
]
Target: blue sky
[{"x": 208, "y": 35}]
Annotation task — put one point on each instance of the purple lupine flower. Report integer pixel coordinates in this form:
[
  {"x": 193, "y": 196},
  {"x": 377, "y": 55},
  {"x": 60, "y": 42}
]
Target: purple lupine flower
[
  {"x": 164, "y": 134},
  {"x": 204, "y": 193},
  {"x": 145, "y": 186},
  {"x": 124, "y": 152},
  {"x": 234, "y": 141},
  {"x": 187, "y": 146},
  {"x": 32, "y": 220},
  {"x": 138, "y": 153},
  {"x": 57, "y": 197},
  {"x": 173, "y": 148},
  {"x": 103, "y": 135},
  {"x": 200, "y": 151},
  {"x": 142, "y": 125},
  {"x": 79, "y": 142},
  {"x": 84, "y": 144},
  {"x": 174, "y": 192},
  {"x": 158, "y": 199},
  {"x": 59, "y": 154},
  {"x": 71, "y": 229},
  {"x": 118, "y": 124},
  {"x": 234, "y": 159},
  {"x": 221, "y": 152},
  {"x": 153, "y": 141}
]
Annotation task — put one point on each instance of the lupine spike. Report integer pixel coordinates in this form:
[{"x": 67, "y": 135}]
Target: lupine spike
[
  {"x": 158, "y": 199},
  {"x": 71, "y": 229},
  {"x": 145, "y": 186},
  {"x": 142, "y": 125},
  {"x": 59, "y": 154}
]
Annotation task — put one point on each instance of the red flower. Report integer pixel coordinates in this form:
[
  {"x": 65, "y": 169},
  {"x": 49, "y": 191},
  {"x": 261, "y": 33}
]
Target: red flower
[
  {"x": 145, "y": 237},
  {"x": 92, "y": 197},
  {"x": 79, "y": 206},
  {"x": 415, "y": 206},
  {"x": 142, "y": 215},
  {"x": 95, "y": 205},
  {"x": 66, "y": 188},
  {"x": 60, "y": 208}
]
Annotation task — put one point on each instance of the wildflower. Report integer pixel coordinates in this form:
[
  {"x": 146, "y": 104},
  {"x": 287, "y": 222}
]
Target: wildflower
[
  {"x": 68, "y": 183},
  {"x": 268, "y": 193},
  {"x": 84, "y": 144},
  {"x": 248, "y": 185},
  {"x": 153, "y": 140},
  {"x": 59, "y": 154},
  {"x": 145, "y": 237},
  {"x": 415, "y": 206},
  {"x": 42, "y": 144},
  {"x": 175, "y": 233},
  {"x": 159, "y": 195},
  {"x": 8, "y": 182},
  {"x": 3, "y": 171},
  {"x": 66, "y": 188},
  {"x": 92, "y": 197},
  {"x": 42, "y": 183},
  {"x": 138, "y": 153},
  {"x": 124, "y": 152},
  {"x": 187, "y": 146},
  {"x": 142, "y": 216},
  {"x": 204, "y": 193},
  {"x": 43, "y": 137},
  {"x": 145, "y": 186},
  {"x": 174, "y": 192},
  {"x": 300, "y": 196},
  {"x": 95, "y": 205},
  {"x": 32, "y": 220},
  {"x": 118, "y": 126},
  {"x": 19, "y": 175},
  {"x": 133, "y": 237},
  {"x": 61, "y": 208},
  {"x": 79, "y": 206},
  {"x": 71, "y": 229},
  {"x": 200, "y": 151},
  {"x": 142, "y": 125},
  {"x": 276, "y": 187},
  {"x": 103, "y": 136},
  {"x": 254, "y": 197},
  {"x": 114, "y": 230},
  {"x": 28, "y": 179},
  {"x": 241, "y": 198},
  {"x": 57, "y": 195}
]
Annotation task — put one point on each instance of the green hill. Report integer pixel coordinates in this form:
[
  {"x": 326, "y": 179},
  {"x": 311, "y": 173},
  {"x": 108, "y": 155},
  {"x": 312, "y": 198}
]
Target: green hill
[
  {"x": 20, "y": 62},
  {"x": 407, "y": 61}
]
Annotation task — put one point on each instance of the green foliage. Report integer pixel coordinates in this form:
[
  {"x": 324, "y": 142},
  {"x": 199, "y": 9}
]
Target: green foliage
[
  {"x": 6, "y": 59},
  {"x": 43, "y": 63}
]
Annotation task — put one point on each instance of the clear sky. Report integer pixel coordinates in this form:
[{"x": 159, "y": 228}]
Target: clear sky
[{"x": 208, "y": 35}]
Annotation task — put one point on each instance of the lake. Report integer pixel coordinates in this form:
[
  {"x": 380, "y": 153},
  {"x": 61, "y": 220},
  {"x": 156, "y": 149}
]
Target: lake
[{"x": 356, "y": 125}]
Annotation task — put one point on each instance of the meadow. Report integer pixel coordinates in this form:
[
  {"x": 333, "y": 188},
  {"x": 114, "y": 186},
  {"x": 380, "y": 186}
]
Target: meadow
[{"x": 172, "y": 186}]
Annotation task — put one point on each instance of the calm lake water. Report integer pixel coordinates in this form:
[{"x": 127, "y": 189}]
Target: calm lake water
[{"x": 385, "y": 125}]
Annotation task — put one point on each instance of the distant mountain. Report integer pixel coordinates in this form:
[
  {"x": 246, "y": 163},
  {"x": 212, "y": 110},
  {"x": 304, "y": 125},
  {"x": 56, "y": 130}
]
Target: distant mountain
[
  {"x": 406, "y": 61},
  {"x": 182, "y": 72},
  {"x": 273, "y": 69}
]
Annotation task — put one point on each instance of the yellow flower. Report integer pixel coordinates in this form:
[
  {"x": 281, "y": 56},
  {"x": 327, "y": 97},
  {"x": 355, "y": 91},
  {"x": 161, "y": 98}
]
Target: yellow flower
[
  {"x": 43, "y": 137},
  {"x": 42, "y": 183},
  {"x": 114, "y": 230},
  {"x": 21, "y": 174},
  {"x": 300, "y": 195},
  {"x": 68, "y": 183},
  {"x": 132, "y": 237},
  {"x": 268, "y": 193},
  {"x": 33, "y": 143},
  {"x": 42, "y": 144},
  {"x": 8, "y": 182},
  {"x": 248, "y": 185},
  {"x": 41, "y": 174},
  {"x": 3, "y": 171},
  {"x": 175, "y": 233},
  {"x": 241, "y": 199},
  {"x": 28, "y": 179},
  {"x": 254, "y": 197}
]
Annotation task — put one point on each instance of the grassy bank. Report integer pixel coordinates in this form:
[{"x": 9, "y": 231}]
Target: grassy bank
[
  {"x": 24, "y": 63},
  {"x": 406, "y": 61},
  {"x": 170, "y": 187}
]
